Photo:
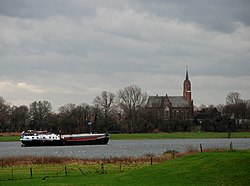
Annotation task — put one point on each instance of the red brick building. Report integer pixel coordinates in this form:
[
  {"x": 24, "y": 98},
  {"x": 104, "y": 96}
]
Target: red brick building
[{"x": 173, "y": 107}]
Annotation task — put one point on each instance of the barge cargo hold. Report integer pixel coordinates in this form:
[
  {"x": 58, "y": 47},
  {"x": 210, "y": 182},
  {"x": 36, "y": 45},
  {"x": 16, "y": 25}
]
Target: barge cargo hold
[{"x": 43, "y": 138}]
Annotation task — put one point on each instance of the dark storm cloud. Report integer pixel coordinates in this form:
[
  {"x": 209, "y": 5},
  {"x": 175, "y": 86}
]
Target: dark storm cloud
[
  {"x": 43, "y": 9},
  {"x": 65, "y": 50},
  {"x": 213, "y": 14}
]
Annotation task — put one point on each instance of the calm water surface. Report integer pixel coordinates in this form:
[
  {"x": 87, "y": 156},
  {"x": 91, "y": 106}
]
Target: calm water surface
[{"x": 121, "y": 148}]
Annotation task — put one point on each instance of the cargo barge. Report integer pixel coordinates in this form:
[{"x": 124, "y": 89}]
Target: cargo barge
[{"x": 44, "y": 138}]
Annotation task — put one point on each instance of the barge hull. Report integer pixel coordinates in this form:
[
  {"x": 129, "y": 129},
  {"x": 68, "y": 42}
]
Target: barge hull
[
  {"x": 98, "y": 141},
  {"x": 35, "y": 143}
]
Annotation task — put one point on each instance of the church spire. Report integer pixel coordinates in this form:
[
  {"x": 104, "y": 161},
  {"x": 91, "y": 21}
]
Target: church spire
[
  {"x": 187, "y": 73},
  {"x": 187, "y": 87}
]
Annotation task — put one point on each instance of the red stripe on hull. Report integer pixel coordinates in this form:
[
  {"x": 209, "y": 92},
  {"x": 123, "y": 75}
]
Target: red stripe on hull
[{"x": 79, "y": 139}]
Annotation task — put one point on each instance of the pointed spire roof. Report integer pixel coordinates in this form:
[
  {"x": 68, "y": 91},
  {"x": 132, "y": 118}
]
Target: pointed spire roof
[{"x": 187, "y": 79}]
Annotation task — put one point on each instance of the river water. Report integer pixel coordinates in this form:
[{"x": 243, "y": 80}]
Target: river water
[{"x": 122, "y": 148}]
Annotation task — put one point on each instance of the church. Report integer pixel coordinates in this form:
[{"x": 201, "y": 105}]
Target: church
[{"x": 172, "y": 107}]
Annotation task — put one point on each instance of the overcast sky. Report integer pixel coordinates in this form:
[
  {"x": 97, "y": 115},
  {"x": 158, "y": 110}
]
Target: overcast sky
[{"x": 69, "y": 51}]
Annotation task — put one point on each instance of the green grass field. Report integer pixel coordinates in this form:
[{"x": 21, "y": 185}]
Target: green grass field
[
  {"x": 177, "y": 135},
  {"x": 212, "y": 168},
  {"x": 180, "y": 135},
  {"x": 9, "y": 138}
]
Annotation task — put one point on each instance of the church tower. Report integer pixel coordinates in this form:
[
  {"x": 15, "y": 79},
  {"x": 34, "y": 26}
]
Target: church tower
[{"x": 187, "y": 88}]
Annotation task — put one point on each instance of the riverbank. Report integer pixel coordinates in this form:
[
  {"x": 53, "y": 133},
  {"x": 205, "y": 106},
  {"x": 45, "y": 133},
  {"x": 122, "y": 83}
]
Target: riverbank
[
  {"x": 180, "y": 135},
  {"x": 8, "y": 137},
  {"x": 210, "y": 168}
]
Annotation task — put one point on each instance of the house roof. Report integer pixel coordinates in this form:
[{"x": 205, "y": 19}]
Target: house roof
[
  {"x": 155, "y": 101},
  {"x": 176, "y": 101}
]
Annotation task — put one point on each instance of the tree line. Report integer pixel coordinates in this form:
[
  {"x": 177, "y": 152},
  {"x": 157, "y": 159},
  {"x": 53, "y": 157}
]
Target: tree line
[{"x": 123, "y": 112}]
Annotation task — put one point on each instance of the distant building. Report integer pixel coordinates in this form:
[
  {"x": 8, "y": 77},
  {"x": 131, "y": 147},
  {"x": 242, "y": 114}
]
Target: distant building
[{"x": 172, "y": 107}]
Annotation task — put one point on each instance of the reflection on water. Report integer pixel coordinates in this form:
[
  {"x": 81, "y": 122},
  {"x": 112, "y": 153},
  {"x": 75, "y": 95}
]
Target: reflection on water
[{"x": 120, "y": 148}]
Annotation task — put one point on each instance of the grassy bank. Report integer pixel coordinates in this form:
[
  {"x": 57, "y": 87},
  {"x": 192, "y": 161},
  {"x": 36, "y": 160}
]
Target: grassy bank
[
  {"x": 180, "y": 135},
  {"x": 212, "y": 168},
  {"x": 4, "y": 137},
  {"x": 9, "y": 136}
]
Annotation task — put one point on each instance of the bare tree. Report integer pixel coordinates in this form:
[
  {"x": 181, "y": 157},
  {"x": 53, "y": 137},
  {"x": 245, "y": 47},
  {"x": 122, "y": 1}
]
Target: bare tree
[
  {"x": 248, "y": 109},
  {"x": 5, "y": 112},
  {"x": 67, "y": 121},
  {"x": 73, "y": 118},
  {"x": 233, "y": 98},
  {"x": 105, "y": 102},
  {"x": 220, "y": 108},
  {"x": 67, "y": 109},
  {"x": 81, "y": 113},
  {"x": 131, "y": 100},
  {"x": 235, "y": 106},
  {"x": 38, "y": 112},
  {"x": 19, "y": 118},
  {"x": 202, "y": 106}
]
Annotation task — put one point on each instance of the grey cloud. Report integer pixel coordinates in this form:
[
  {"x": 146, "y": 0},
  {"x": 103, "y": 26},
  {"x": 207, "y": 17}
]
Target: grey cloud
[
  {"x": 44, "y": 9},
  {"x": 85, "y": 47},
  {"x": 213, "y": 15}
]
